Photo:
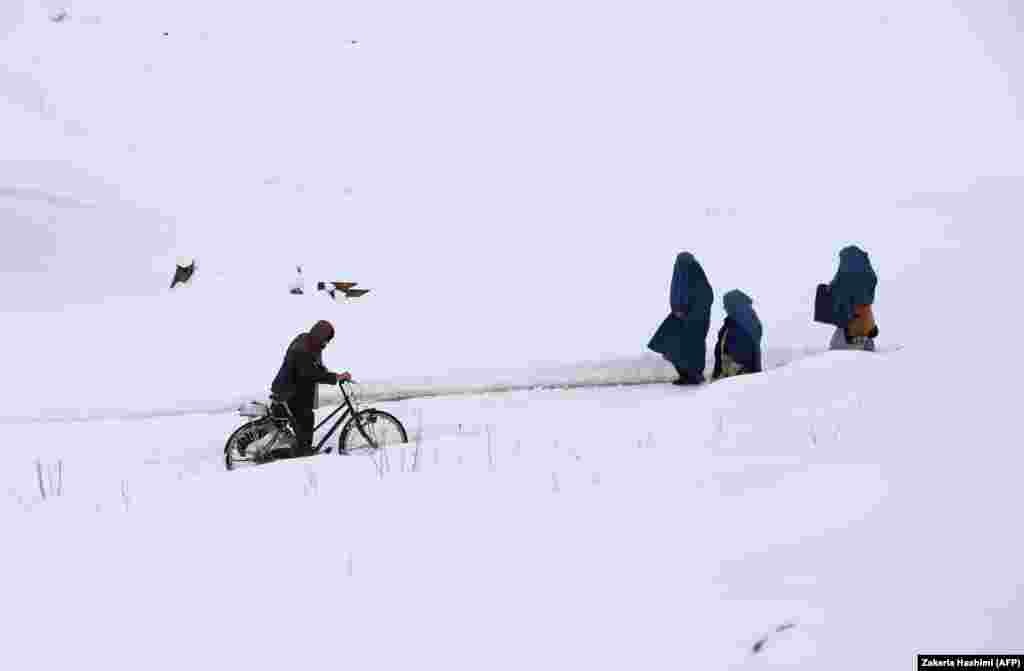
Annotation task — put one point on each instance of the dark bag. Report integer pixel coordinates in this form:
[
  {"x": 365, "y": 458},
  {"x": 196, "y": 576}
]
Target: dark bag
[{"x": 823, "y": 305}]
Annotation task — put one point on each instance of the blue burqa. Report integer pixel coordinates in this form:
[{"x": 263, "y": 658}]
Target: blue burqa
[
  {"x": 683, "y": 340},
  {"x": 854, "y": 284},
  {"x": 742, "y": 330}
]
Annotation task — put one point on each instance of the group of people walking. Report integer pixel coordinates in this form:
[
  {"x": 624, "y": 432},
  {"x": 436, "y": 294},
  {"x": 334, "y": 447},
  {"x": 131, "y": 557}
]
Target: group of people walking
[
  {"x": 845, "y": 303},
  {"x": 682, "y": 337}
]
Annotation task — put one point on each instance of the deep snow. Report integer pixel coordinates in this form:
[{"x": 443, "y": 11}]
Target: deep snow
[
  {"x": 512, "y": 181},
  {"x": 643, "y": 527}
]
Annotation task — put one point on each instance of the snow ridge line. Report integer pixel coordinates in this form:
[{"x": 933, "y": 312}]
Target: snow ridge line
[
  {"x": 383, "y": 396},
  {"x": 609, "y": 373},
  {"x": 51, "y": 198}
]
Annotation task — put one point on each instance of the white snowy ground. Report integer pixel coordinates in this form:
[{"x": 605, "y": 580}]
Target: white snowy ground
[
  {"x": 512, "y": 181},
  {"x": 641, "y": 527}
]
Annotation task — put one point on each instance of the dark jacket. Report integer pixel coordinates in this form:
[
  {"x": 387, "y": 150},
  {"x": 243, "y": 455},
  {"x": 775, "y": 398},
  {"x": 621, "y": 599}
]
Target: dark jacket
[
  {"x": 683, "y": 340},
  {"x": 301, "y": 371},
  {"x": 853, "y": 285},
  {"x": 741, "y": 333}
]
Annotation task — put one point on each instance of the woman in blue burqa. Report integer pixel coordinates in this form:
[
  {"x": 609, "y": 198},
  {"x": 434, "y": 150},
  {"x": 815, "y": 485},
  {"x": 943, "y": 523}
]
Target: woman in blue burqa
[
  {"x": 682, "y": 337},
  {"x": 738, "y": 349},
  {"x": 853, "y": 294}
]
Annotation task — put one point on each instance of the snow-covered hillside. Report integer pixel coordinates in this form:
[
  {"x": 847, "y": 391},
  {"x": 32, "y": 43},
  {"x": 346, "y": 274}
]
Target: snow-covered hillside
[
  {"x": 512, "y": 181},
  {"x": 646, "y": 527}
]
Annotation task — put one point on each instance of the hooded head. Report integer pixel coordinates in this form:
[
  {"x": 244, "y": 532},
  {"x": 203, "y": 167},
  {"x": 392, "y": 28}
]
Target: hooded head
[
  {"x": 740, "y": 308},
  {"x": 854, "y": 283},
  {"x": 690, "y": 289},
  {"x": 853, "y": 259},
  {"x": 735, "y": 301},
  {"x": 321, "y": 333}
]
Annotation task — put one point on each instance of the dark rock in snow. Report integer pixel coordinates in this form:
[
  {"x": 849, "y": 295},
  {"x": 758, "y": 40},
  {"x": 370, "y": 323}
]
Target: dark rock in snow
[{"x": 183, "y": 272}]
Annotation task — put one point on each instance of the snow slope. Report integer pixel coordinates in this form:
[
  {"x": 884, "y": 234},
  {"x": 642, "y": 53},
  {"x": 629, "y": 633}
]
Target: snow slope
[
  {"x": 645, "y": 527},
  {"x": 512, "y": 190},
  {"x": 512, "y": 181}
]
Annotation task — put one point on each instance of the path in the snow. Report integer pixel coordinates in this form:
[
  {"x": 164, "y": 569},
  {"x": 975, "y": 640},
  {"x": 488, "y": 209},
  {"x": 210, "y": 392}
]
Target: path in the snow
[
  {"x": 644, "y": 370},
  {"x": 96, "y": 456}
]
